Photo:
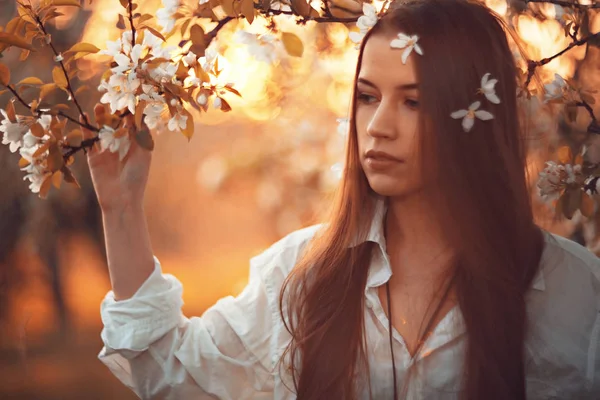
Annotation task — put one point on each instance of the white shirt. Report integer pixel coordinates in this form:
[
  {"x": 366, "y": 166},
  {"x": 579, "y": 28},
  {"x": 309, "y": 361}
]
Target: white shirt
[{"x": 231, "y": 351}]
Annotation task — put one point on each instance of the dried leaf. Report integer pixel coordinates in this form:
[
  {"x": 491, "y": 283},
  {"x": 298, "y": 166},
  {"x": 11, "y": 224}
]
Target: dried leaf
[
  {"x": 292, "y": 43},
  {"x": 81, "y": 89},
  {"x": 24, "y": 54},
  {"x": 587, "y": 205},
  {"x": 69, "y": 177},
  {"x": 55, "y": 158},
  {"x": 225, "y": 105},
  {"x": 4, "y": 75},
  {"x": 155, "y": 32},
  {"x": 564, "y": 155},
  {"x": 188, "y": 132},
  {"x": 300, "y": 7},
  {"x": 247, "y": 9},
  {"x": 139, "y": 113},
  {"x": 57, "y": 178},
  {"x": 32, "y": 80},
  {"x": 59, "y": 77},
  {"x": 37, "y": 130},
  {"x": 197, "y": 35},
  {"x": 14, "y": 40},
  {"x": 83, "y": 48},
  {"x": 144, "y": 139},
  {"x": 144, "y": 18},
  {"x": 41, "y": 150},
  {"x": 10, "y": 111},
  {"x": 227, "y": 6},
  {"x": 75, "y": 137},
  {"x": 121, "y": 22},
  {"x": 571, "y": 112},
  {"x": 46, "y": 89},
  {"x": 588, "y": 98},
  {"x": 124, "y": 3},
  {"x": 45, "y": 187},
  {"x": 23, "y": 162},
  {"x": 570, "y": 202},
  {"x": 232, "y": 90},
  {"x": 74, "y": 3}
]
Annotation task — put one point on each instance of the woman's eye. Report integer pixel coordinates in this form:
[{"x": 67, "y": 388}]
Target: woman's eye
[
  {"x": 366, "y": 98},
  {"x": 412, "y": 104}
]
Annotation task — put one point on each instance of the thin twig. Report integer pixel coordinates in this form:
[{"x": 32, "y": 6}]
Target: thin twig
[
  {"x": 213, "y": 33},
  {"x": 532, "y": 65},
  {"x": 64, "y": 69},
  {"x": 566, "y": 4},
  {"x": 130, "y": 11},
  {"x": 39, "y": 112},
  {"x": 88, "y": 143},
  {"x": 589, "y": 108},
  {"x": 271, "y": 11}
]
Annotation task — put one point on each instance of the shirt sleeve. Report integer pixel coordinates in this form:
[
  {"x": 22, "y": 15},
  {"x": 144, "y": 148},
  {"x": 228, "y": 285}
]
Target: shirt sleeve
[{"x": 228, "y": 353}]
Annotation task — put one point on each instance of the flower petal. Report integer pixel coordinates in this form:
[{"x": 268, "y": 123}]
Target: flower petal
[
  {"x": 484, "y": 115},
  {"x": 459, "y": 114},
  {"x": 492, "y": 97},
  {"x": 475, "y": 105},
  {"x": 418, "y": 49},
  {"x": 406, "y": 53},
  {"x": 467, "y": 123}
]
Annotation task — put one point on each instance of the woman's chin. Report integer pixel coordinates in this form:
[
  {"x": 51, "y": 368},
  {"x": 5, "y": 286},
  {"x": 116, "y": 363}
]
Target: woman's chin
[{"x": 391, "y": 188}]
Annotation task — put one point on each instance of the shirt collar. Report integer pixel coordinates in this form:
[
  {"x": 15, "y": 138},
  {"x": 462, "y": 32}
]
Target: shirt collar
[{"x": 380, "y": 271}]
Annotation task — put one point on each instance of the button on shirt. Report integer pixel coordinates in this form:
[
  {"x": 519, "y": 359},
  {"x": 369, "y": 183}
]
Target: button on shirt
[{"x": 233, "y": 350}]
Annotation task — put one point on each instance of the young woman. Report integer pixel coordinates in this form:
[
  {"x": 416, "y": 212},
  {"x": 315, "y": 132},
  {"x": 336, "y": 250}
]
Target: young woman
[{"x": 429, "y": 281}]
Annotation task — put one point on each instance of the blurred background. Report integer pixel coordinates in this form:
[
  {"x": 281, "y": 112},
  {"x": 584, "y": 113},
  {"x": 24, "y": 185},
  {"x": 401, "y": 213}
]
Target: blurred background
[{"x": 246, "y": 179}]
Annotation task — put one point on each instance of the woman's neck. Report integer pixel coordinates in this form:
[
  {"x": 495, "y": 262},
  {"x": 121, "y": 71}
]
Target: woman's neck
[{"x": 415, "y": 243}]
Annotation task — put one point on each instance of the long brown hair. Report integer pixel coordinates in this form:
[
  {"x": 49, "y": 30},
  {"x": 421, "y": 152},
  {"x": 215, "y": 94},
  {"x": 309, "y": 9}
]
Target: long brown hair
[{"x": 477, "y": 191}]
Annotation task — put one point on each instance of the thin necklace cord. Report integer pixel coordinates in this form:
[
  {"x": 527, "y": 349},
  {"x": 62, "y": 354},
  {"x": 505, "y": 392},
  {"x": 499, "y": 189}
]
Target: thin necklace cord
[{"x": 389, "y": 307}]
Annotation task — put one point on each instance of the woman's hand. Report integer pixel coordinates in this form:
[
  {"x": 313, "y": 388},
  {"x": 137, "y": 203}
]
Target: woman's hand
[{"x": 118, "y": 184}]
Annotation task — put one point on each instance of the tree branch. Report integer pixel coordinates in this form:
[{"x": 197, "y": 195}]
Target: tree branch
[
  {"x": 564, "y": 3},
  {"x": 62, "y": 65},
  {"x": 130, "y": 12}
]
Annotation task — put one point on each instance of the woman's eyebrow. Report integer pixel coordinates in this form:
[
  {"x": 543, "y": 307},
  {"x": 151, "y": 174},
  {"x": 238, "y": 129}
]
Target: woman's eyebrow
[{"x": 404, "y": 86}]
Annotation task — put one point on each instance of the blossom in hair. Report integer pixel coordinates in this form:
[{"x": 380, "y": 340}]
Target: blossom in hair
[
  {"x": 408, "y": 43},
  {"x": 487, "y": 88},
  {"x": 364, "y": 23},
  {"x": 470, "y": 114}
]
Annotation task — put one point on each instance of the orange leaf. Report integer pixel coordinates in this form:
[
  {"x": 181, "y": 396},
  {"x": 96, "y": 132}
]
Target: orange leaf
[
  {"x": 32, "y": 80},
  {"x": 83, "y": 48},
  {"x": 74, "y": 3},
  {"x": 188, "y": 132},
  {"x": 10, "y": 111},
  {"x": 23, "y": 162},
  {"x": 45, "y": 187},
  {"x": 155, "y": 32},
  {"x": 75, "y": 137},
  {"x": 57, "y": 179},
  {"x": 46, "y": 89},
  {"x": 69, "y": 177},
  {"x": 587, "y": 205},
  {"x": 248, "y": 10},
  {"x": 292, "y": 43},
  {"x": 59, "y": 77},
  {"x": 55, "y": 158},
  {"x": 565, "y": 155},
  {"x": 13, "y": 40},
  {"x": 4, "y": 75},
  {"x": 37, "y": 130}
]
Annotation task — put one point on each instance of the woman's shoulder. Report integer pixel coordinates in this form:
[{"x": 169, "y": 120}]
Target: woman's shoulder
[{"x": 564, "y": 258}]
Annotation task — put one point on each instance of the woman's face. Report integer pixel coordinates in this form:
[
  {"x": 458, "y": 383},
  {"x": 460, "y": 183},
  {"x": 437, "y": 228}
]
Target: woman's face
[{"x": 387, "y": 115}]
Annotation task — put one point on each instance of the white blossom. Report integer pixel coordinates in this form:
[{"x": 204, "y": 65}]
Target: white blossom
[
  {"x": 555, "y": 89},
  {"x": 164, "y": 16},
  {"x": 469, "y": 115},
  {"x": 217, "y": 103},
  {"x": 408, "y": 43},
  {"x": 35, "y": 172},
  {"x": 487, "y": 88},
  {"x": 190, "y": 59},
  {"x": 555, "y": 178},
  {"x": 262, "y": 47},
  {"x": 364, "y": 23},
  {"x": 208, "y": 61},
  {"x": 112, "y": 143},
  {"x": 203, "y": 2},
  {"x": 343, "y": 126},
  {"x": 59, "y": 58},
  {"x": 13, "y": 132},
  {"x": 179, "y": 121},
  {"x": 202, "y": 99},
  {"x": 120, "y": 92},
  {"x": 153, "y": 114}
]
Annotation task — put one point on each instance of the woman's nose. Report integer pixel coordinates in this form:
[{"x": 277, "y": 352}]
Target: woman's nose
[{"x": 383, "y": 123}]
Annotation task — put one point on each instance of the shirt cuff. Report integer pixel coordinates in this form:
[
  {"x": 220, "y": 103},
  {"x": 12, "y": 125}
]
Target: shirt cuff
[{"x": 137, "y": 322}]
